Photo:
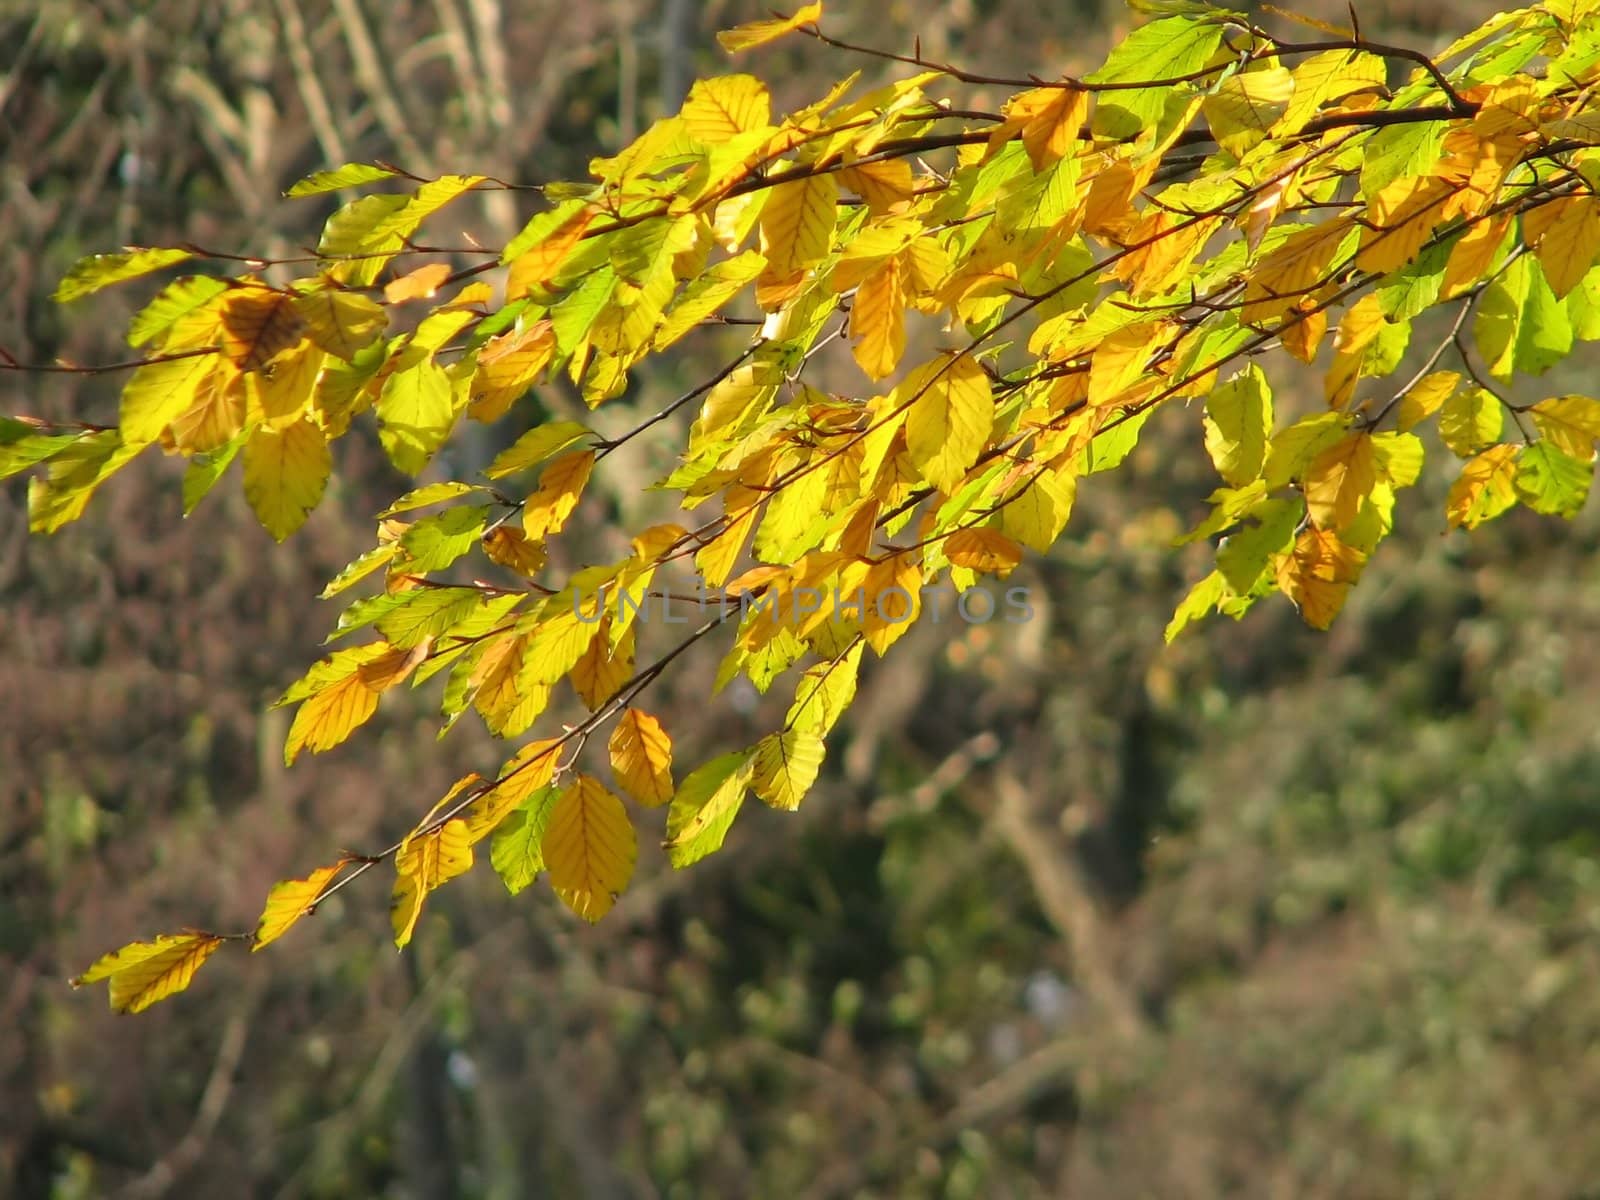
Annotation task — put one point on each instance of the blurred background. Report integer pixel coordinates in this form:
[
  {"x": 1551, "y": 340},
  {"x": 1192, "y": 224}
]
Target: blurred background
[{"x": 1266, "y": 913}]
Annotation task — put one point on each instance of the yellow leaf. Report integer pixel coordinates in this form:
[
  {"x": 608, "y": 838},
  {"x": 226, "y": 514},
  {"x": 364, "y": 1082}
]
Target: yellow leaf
[
  {"x": 716, "y": 558},
  {"x": 1357, "y": 329},
  {"x": 894, "y": 602},
  {"x": 285, "y": 472},
  {"x": 291, "y": 899},
  {"x": 1303, "y": 329},
  {"x": 1570, "y": 423},
  {"x": 330, "y": 714},
  {"x": 949, "y": 420},
  {"x": 1245, "y": 107},
  {"x": 717, "y": 110},
  {"x": 540, "y": 263},
  {"x": 392, "y": 667},
  {"x": 1037, "y": 516},
  {"x": 560, "y": 487},
  {"x": 883, "y": 185},
  {"x": 1568, "y": 246},
  {"x": 1327, "y": 77},
  {"x": 280, "y": 391},
  {"x": 797, "y": 225},
  {"x": 983, "y": 550},
  {"x": 514, "y": 550},
  {"x": 423, "y": 863},
  {"x": 604, "y": 668},
  {"x": 1318, "y": 574},
  {"x": 1485, "y": 488},
  {"x": 507, "y": 368},
  {"x": 1339, "y": 479},
  {"x": 589, "y": 848},
  {"x": 1399, "y": 220},
  {"x": 528, "y": 770},
  {"x": 420, "y": 284},
  {"x": 877, "y": 320},
  {"x": 759, "y": 33},
  {"x": 477, "y": 292},
  {"x": 1470, "y": 420},
  {"x": 1294, "y": 269},
  {"x": 641, "y": 756},
  {"x": 159, "y": 393},
  {"x": 505, "y": 698},
  {"x": 1474, "y": 254},
  {"x": 785, "y": 766},
  {"x": 143, "y": 973},
  {"x": 216, "y": 415},
  {"x": 342, "y": 323},
  {"x": 535, "y": 448},
  {"x": 1120, "y": 360},
  {"x": 1424, "y": 398},
  {"x": 1050, "y": 120},
  {"x": 257, "y": 323}
]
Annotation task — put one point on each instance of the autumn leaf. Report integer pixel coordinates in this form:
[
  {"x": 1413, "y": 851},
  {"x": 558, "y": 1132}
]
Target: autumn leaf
[
  {"x": 1318, "y": 574},
  {"x": 342, "y": 323},
  {"x": 143, "y": 973},
  {"x": 285, "y": 474},
  {"x": 1485, "y": 488},
  {"x": 785, "y": 766},
  {"x": 424, "y": 862},
  {"x": 560, "y": 487},
  {"x": 334, "y": 700},
  {"x": 949, "y": 419},
  {"x": 589, "y": 848},
  {"x": 759, "y": 33},
  {"x": 530, "y": 769},
  {"x": 1339, "y": 479},
  {"x": 290, "y": 900},
  {"x": 983, "y": 550},
  {"x": 419, "y": 284},
  {"x": 641, "y": 756}
]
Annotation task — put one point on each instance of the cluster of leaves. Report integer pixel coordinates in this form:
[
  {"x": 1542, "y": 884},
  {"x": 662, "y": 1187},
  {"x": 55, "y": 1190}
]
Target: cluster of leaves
[{"x": 1094, "y": 250}]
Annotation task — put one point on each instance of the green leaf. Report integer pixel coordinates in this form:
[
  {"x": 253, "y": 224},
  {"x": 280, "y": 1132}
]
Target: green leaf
[
  {"x": 1107, "y": 450},
  {"x": 417, "y": 409},
  {"x": 824, "y": 692},
  {"x": 23, "y": 446},
  {"x": 1551, "y": 481},
  {"x": 703, "y": 808},
  {"x": 1202, "y": 598},
  {"x": 89, "y": 275},
  {"x": 536, "y": 447},
  {"x": 433, "y": 543},
  {"x": 176, "y": 300},
  {"x": 517, "y": 852},
  {"x": 205, "y": 469},
  {"x": 1520, "y": 325},
  {"x": 348, "y": 176},
  {"x": 1162, "y": 50},
  {"x": 1238, "y": 423},
  {"x": 1245, "y": 556},
  {"x": 430, "y": 493},
  {"x": 75, "y": 474}
]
